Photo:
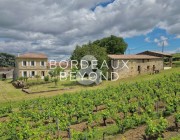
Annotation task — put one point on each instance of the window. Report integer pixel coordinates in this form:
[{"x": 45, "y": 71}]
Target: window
[
  {"x": 148, "y": 68},
  {"x": 24, "y": 63},
  {"x": 24, "y": 73},
  {"x": 32, "y": 73},
  {"x": 32, "y": 63},
  {"x": 42, "y": 63}
]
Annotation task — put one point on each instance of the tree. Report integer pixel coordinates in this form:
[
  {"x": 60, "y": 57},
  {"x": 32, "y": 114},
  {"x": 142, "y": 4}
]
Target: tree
[
  {"x": 55, "y": 81},
  {"x": 113, "y": 44},
  {"x": 55, "y": 72},
  {"x": 91, "y": 49},
  {"x": 7, "y": 60},
  {"x": 51, "y": 73}
]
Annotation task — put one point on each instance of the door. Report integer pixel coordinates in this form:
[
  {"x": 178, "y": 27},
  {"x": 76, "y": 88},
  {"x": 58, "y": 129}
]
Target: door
[
  {"x": 42, "y": 74},
  {"x": 139, "y": 69}
]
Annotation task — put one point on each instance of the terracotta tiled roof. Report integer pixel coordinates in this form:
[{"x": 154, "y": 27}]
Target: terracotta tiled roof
[
  {"x": 32, "y": 55},
  {"x": 133, "y": 57}
]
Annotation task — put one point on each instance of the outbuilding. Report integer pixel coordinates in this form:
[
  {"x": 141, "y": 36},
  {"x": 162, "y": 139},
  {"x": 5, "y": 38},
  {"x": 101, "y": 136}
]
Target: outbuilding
[
  {"x": 166, "y": 57},
  {"x": 132, "y": 65}
]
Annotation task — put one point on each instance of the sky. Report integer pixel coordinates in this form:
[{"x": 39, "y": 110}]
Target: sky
[{"x": 55, "y": 27}]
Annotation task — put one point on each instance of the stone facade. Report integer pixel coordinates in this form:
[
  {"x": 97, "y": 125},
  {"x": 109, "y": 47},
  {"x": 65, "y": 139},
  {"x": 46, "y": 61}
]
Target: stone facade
[
  {"x": 165, "y": 56},
  {"x": 29, "y": 67},
  {"x": 6, "y": 72},
  {"x": 131, "y": 67}
]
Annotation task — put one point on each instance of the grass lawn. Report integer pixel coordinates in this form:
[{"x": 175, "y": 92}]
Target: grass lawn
[
  {"x": 51, "y": 86},
  {"x": 10, "y": 94}
]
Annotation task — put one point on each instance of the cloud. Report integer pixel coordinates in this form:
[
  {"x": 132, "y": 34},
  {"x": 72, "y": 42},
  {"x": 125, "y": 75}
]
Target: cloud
[
  {"x": 57, "y": 25},
  {"x": 156, "y": 40},
  {"x": 163, "y": 38},
  {"x": 174, "y": 51},
  {"x": 147, "y": 39},
  {"x": 161, "y": 41},
  {"x": 178, "y": 36}
]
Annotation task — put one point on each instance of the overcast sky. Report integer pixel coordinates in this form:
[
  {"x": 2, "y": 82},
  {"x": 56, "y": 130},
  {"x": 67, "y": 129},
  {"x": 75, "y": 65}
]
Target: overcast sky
[{"x": 55, "y": 27}]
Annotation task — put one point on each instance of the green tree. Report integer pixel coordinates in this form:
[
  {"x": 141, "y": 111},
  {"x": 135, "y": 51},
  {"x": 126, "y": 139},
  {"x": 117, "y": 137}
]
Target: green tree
[
  {"x": 51, "y": 73},
  {"x": 55, "y": 72},
  {"x": 91, "y": 49},
  {"x": 55, "y": 81},
  {"x": 7, "y": 60},
  {"x": 113, "y": 44}
]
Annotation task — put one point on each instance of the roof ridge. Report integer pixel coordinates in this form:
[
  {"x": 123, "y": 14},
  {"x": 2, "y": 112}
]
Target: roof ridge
[{"x": 32, "y": 55}]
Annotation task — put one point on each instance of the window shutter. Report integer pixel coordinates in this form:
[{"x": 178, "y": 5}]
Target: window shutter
[
  {"x": 27, "y": 63},
  {"x": 22, "y": 63},
  {"x": 45, "y": 64},
  {"x": 34, "y": 63}
]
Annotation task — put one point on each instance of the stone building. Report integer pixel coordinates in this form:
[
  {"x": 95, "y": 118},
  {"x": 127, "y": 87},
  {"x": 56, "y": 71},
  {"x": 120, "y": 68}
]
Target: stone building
[
  {"x": 166, "y": 57},
  {"x": 6, "y": 72},
  {"x": 30, "y": 64},
  {"x": 132, "y": 65}
]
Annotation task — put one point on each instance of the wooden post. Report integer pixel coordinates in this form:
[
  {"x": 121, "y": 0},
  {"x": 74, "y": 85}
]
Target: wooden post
[
  {"x": 103, "y": 135},
  {"x": 69, "y": 134},
  {"x": 57, "y": 123}
]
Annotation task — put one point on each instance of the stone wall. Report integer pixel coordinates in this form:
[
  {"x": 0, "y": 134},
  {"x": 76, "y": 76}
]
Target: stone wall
[
  {"x": 38, "y": 69},
  {"x": 136, "y": 67}
]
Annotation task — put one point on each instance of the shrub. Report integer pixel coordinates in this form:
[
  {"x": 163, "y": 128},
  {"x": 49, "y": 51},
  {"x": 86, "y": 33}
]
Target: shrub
[
  {"x": 46, "y": 78},
  {"x": 20, "y": 78},
  {"x": 3, "y": 79},
  {"x": 23, "y": 78},
  {"x": 177, "y": 120},
  {"x": 156, "y": 128}
]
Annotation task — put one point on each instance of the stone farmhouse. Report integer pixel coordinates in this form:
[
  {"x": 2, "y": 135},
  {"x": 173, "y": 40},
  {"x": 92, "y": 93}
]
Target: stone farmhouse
[{"x": 30, "y": 64}]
